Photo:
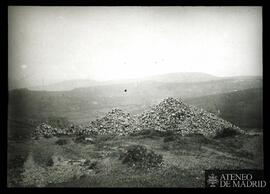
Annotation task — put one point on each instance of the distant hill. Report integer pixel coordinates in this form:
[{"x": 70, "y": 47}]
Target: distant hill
[
  {"x": 243, "y": 108},
  {"x": 186, "y": 77},
  {"x": 66, "y": 85}
]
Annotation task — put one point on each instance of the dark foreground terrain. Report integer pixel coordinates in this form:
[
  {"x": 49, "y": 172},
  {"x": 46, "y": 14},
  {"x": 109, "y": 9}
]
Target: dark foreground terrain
[{"x": 98, "y": 162}]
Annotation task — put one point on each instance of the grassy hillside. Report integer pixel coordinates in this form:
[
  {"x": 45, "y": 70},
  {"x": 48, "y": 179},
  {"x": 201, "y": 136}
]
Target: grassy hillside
[{"x": 243, "y": 108}]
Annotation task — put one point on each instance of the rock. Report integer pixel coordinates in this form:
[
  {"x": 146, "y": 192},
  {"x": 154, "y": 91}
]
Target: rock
[
  {"x": 89, "y": 139},
  {"x": 115, "y": 122},
  {"x": 173, "y": 114},
  {"x": 45, "y": 130}
]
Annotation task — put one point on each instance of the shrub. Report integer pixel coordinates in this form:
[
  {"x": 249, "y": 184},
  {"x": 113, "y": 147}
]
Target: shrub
[
  {"x": 61, "y": 142},
  {"x": 169, "y": 138},
  {"x": 42, "y": 155},
  {"x": 79, "y": 138},
  {"x": 227, "y": 132},
  {"x": 151, "y": 133},
  {"x": 198, "y": 138},
  {"x": 15, "y": 168},
  {"x": 138, "y": 156},
  {"x": 166, "y": 147},
  {"x": 104, "y": 138},
  {"x": 34, "y": 175},
  {"x": 50, "y": 162},
  {"x": 17, "y": 161},
  {"x": 245, "y": 154},
  {"x": 91, "y": 165},
  {"x": 168, "y": 133},
  {"x": 83, "y": 139}
]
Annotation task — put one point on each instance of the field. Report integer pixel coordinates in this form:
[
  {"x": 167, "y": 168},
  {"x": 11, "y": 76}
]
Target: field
[{"x": 184, "y": 159}]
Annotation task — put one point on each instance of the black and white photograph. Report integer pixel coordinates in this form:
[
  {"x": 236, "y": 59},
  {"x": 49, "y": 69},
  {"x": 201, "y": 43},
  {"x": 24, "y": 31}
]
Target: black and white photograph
[{"x": 134, "y": 96}]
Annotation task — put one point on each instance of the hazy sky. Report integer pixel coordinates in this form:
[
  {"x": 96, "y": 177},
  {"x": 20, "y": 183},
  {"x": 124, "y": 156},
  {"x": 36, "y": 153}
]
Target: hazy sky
[{"x": 49, "y": 44}]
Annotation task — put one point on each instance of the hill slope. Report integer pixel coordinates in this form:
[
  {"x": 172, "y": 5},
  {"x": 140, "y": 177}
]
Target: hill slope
[
  {"x": 243, "y": 108},
  {"x": 66, "y": 85},
  {"x": 184, "y": 77}
]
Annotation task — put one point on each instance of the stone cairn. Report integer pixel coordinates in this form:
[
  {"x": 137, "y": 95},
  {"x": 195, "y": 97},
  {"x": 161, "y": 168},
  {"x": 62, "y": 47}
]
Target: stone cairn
[
  {"x": 172, "y": 114},
  {"x": 115, "y": 122},
  {"x": 46, "y": 130},
  {"x": 169, "y": 115}
]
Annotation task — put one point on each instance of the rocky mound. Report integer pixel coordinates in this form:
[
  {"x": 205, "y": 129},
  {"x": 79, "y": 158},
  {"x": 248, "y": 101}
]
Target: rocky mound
[
  {"x": 169, "y": 115},
  {"x": 46, "y": 130},
  {"x": 173, "y": 114},
  {"x": 115, "y": 122}
]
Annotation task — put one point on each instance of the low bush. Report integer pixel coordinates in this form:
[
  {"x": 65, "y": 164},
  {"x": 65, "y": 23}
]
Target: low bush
[
  {"x": 79, "y": 138},
  {"x": 168, "y": 139},
  {"x": 50, "y": 162},
  {"x": 83, "y": 139},
  {"x": 151, "y": 133},
  {"x": 16, "y": 162},
  {"x": 227, "y": 132},
  {"x": 61, "y": 142},
  {"x": 43, "y": 153},
  {"x": 245, "y": 154},
  {"x": 138, "y": 156},
  {"x": 104, "y": 138},
  {"x": 34, "y": 175},
  {"x": 91, "y": 165}
]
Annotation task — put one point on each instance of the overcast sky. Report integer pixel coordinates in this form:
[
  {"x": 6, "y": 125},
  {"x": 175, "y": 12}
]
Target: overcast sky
[{"x": 50, "y": 44}]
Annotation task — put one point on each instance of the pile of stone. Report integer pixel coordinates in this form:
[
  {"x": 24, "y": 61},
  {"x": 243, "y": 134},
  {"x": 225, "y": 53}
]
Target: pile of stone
[
  {"x": 172, "y": 114},
  {"x": 115, "y": 122},
  {"x": 45, "y": 130},
  {"x": 169, "y": 115}
]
